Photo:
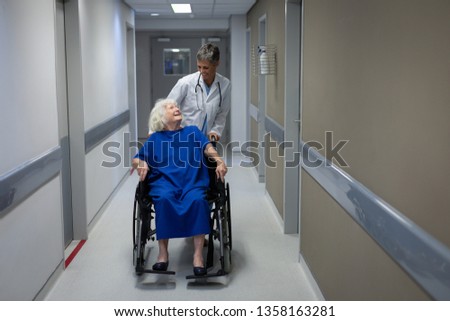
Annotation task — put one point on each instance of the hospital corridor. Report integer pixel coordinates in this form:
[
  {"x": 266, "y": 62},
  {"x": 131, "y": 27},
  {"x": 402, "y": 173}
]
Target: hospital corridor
[{"x": 331, "y": 119}]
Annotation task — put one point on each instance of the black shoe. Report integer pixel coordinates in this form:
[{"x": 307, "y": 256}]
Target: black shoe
[
  {"x": 160, "y": 266},
  {"x": 199, "y": 270}
]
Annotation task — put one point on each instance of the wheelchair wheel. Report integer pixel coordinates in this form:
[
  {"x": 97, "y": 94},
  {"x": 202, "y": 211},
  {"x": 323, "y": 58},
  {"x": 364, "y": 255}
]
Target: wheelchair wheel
[
  {"x": 228, "y": 214},
  {"x": 224, "y": 239},
  {"x": 142, "y": 228},
  {"x": 138, "y": 245}
]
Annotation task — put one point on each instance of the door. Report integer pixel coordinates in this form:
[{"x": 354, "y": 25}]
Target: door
[
  {"x": 292, "y": 117},
  {"x": 262, "y": 106},
  {"x": 63, "y": 122},
  {"x": 174, "y": 57}
]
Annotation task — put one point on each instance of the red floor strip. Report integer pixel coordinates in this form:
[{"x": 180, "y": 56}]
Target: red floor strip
[{"x": 74, "y": 253}]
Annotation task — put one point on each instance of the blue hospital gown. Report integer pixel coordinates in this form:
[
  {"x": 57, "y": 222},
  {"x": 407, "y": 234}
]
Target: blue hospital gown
[{"x": 178, "y": 182}]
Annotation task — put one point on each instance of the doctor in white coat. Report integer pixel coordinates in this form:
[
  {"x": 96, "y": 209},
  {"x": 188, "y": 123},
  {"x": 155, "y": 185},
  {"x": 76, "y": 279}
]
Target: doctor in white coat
[{"x": 204, "y": 96}]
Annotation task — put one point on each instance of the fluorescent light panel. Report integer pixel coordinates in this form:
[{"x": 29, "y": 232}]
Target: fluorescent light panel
[{"x": 181, "y": 7}]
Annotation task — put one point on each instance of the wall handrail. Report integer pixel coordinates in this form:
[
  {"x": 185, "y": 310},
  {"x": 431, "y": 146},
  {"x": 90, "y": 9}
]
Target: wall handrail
[
  {"x": 100, "y": 132},
  {"x": 22, "y": 181},
  {"x": 425, "y": 259}
]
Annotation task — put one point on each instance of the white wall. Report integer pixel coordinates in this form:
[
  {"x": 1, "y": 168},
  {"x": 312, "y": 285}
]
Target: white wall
[
  {"x": 103, "y": 37},
  {"x": 31, "y": 243},
  {"x": 105, "y": 89},
  {"x": 102, "y": 180},
  {"x": 27, "y": 81},
  {"x": 143, "y": 82},
  {"x": 31, "y": 233}
]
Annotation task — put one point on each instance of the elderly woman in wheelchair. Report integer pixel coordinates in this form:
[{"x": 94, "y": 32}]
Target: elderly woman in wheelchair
[{"x": 173, "y": 160}]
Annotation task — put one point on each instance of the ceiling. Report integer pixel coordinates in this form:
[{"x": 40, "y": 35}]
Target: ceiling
[{"x": 201, "y": 9}]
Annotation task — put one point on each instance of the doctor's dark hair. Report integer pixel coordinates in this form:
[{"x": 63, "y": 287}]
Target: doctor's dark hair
[
  {"x": 209, "y": 52},
  {"x": 157, "y": 119}
]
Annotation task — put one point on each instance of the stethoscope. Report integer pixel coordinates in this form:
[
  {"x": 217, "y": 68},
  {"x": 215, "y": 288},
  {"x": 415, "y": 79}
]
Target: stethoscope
[{"x": 200, "y": 86}]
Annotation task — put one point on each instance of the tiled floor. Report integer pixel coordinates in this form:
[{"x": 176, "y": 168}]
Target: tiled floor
[{"x": 265, "y": 261}]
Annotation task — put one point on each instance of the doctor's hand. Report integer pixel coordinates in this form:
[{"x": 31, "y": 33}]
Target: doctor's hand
[{"x": 213, "y": 137}]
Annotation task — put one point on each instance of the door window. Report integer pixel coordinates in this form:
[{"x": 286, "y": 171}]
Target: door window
[{"x": 177, "y": 61}]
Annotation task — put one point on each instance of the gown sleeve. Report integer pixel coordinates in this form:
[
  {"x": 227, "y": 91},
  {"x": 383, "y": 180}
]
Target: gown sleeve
[{"x": 145, "y": 151}]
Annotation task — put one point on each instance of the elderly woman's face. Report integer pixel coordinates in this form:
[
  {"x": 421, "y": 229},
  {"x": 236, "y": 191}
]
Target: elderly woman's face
[{"x": 173, "y": 114}]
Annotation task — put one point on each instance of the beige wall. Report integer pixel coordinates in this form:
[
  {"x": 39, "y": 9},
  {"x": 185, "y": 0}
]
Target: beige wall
[
  {"x": 275, "y": 23},
  {"x": 274, "y": 11},
  {"x": 376, "y": 73}
]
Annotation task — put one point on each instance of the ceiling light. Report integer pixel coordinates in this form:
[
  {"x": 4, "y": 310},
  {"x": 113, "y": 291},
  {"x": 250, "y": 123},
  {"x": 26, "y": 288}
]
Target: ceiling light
[
  {"x": 154, "y": 14},
  {"x": 181, "y": 7}
]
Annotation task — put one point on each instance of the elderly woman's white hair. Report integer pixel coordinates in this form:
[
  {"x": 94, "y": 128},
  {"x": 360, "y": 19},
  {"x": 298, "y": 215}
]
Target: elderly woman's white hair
[{"x": 157, "y": 120}]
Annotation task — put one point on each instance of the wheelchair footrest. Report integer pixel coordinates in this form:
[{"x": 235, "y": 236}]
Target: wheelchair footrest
[
  {"x": 208, "y": 275},
  {"x": 142, "y": 270}
]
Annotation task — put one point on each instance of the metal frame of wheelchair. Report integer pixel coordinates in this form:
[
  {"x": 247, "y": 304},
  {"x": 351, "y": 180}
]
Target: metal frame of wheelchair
[{"x": 220, "y": 221}]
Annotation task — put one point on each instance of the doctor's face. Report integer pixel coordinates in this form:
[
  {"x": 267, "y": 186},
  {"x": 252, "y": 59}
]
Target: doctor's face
[{"x": 208, "y": 70}]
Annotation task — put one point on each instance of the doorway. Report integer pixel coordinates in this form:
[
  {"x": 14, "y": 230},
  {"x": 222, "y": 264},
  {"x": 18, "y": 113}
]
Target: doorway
[
  {"x": 262, "y": 92},
  {"x": 63, "y": 121},
  {"x": 173, "y": 57},
  {"x": 292, "y": 131}
]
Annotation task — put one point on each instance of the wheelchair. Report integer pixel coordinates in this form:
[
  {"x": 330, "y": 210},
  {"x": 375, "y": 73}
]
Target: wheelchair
[{"x": 144, "y": 230}]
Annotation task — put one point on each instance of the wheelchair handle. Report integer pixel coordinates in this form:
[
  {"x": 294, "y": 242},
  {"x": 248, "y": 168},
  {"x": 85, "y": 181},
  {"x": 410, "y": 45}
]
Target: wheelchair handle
[{"x": 213, "y": 141}]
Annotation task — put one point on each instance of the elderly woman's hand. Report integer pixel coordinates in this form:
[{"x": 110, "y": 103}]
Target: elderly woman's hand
[
  {"x": 141, "y": 167},
  {"x": 221, "y": 170}
]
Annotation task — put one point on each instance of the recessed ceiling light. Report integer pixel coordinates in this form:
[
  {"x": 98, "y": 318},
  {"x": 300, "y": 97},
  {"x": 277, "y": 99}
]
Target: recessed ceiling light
[
  {"x": 181, "y": 7},
  {"x": 154, "y": 14}
]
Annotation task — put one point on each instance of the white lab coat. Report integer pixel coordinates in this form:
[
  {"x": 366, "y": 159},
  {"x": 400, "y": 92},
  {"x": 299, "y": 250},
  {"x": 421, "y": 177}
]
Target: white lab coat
[{"x": 196, "y": 104}]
